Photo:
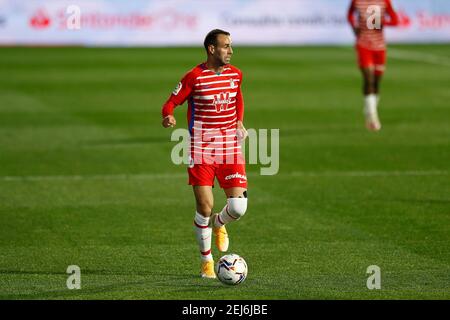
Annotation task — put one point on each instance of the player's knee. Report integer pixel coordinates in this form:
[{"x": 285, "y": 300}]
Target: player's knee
[
  {"x": 237, "y": 206},
  {"x": 204, "y": 207}
]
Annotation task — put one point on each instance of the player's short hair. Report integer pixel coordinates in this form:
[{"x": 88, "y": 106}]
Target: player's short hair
[{"x": 211, "y": 37}]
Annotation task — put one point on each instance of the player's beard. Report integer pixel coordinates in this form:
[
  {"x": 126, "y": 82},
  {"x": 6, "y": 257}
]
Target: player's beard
[
  {"x": 226, "y": 60},
  {"x": 220, "y": 61}
]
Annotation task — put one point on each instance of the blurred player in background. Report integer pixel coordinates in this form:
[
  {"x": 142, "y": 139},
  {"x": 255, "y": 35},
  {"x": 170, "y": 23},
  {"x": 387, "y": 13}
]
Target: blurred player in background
[
  {"x": 371, "y": 49},
  {"x": 215, "y": 119}
]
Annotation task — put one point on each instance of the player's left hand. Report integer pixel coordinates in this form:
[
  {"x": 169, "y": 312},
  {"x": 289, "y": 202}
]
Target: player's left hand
[
  {"x": 169, "y": 121},
  {"x": 241, "y": 132}
]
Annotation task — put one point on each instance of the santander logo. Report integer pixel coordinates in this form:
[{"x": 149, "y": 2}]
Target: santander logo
[
  {"x": 40, "y": 19},
  {"x": 221, "y": 101}
]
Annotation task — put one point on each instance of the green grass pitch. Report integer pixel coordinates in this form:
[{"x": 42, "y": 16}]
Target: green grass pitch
[{"x": 86, "y": 177}]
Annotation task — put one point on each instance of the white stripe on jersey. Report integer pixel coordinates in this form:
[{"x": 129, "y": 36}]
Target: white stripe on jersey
[
  {"x": 212, "y": 110},
  {"x": 212, "y": 89},
  {"x": 225, "y": 136},
  {"x": 211, "y": 97},
  {"x": 221, "y": 148},
  {"x": 231, "y": 126},
  {"x": 229, "y": 115},
  {"x": 222, "y": 122},
  {"x": 210, "y": 104},
  {"x": 210, "y": 154},
  {"x": 214, "y": 82},
  {"x": 218, "y": 75},
  {"x": 230, "y": 142}
]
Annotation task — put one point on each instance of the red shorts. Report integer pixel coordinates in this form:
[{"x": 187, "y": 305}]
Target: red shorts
[
  {"x": 372, "y": 59},
  {"x": 228, "y": 175}
]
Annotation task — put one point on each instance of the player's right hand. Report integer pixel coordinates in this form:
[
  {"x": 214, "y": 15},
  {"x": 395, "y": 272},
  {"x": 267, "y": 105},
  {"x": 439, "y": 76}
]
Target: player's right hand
[
  {"x": 169, "y": 121},
  {"x": 241, "y": 132}
]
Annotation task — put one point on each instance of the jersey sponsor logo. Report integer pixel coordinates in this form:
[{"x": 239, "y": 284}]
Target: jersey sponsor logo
[
  {"x": 221, "y": 101},
  {"x": 177, "y": 88},
  {"x": 237, "y": 175}
]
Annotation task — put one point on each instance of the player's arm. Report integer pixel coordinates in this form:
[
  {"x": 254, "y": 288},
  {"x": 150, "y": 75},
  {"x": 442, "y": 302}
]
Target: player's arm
[
  {"x": 178, "y": 97},
  {"x": 351, "y": 18},
  {"x": 391, "y": 15},
  {"x": 240, "y": 129}
]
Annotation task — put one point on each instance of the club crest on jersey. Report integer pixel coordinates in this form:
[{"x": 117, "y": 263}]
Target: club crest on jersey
[
  {"x": 221, "y": 101},
  {"x": 177, "y": 89},
  {"x": 232, "y": 84}
]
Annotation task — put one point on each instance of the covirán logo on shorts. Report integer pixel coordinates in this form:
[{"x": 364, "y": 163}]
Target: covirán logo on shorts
[{"x": 236, "y": 175}]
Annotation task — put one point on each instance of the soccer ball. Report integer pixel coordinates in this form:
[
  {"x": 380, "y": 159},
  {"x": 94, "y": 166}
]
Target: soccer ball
[{"x": 231, "y": 269}]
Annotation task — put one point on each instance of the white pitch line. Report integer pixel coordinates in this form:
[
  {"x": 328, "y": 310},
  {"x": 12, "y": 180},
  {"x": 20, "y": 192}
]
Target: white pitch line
[
  {"x": 369, "y": 173},
  {"x": 419, "y": 57},
  {"x": 150, "y": 176},
  {"x": 93, "y": 177}
]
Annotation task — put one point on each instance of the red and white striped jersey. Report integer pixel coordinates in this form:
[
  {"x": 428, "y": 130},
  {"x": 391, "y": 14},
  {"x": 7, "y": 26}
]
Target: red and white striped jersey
[
  {"x": 372, "y": 39},
  {"x": 215, "y": 104}
]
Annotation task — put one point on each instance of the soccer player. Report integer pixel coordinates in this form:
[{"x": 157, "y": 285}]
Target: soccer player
[
  {"x": 371, "y": 49},
  {"x": 215, "y": 120}
]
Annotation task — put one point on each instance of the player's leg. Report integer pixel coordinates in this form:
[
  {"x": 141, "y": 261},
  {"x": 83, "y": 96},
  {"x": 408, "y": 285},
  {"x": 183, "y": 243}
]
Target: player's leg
[
  {"x": 234, "y": 209},
  {"x": 201, "y": 177},
  {"x": 367, "y": 67},
  {"x": 204, "y": 200},
  {"x": 380, "y": 62},
  {"x": 376, "y": 85},
  {"x": 204, "y": 203},
  {"x": 233, "y": 180},
  {"x": 368, "y": 74},
  {"x": 236, "y": 205},
  {"x": 370, "y": 99},
  {"x": 378, "y": 76}
]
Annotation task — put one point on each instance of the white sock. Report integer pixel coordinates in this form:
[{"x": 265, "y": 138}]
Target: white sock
[
  {"x": 370, "y": 104},
  {"x": 223, "y": 217},
  {"x": 203, "y": 235}
]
